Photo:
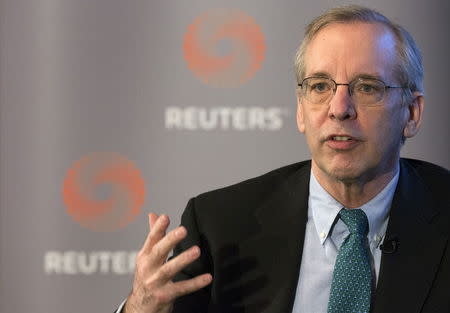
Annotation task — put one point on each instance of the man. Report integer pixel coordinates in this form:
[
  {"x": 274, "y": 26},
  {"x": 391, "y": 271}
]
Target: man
[{"x": 356, "y": 229}]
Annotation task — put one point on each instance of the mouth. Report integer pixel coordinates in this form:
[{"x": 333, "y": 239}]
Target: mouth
[
  {"x": 341, "y": 138},
  {"x": 341, "y": 142}
]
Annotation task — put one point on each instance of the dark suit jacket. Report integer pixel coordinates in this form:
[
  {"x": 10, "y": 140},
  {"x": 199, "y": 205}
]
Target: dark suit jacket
[{"x": 251, "y": 236}]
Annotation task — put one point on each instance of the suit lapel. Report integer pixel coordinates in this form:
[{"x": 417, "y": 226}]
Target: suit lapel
[
  {"x": 406, "y": 275},
  {"x": 279, "y": 244}
]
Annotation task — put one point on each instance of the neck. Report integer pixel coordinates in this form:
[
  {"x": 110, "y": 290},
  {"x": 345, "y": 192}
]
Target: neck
[{"x": 355, "y": 192}]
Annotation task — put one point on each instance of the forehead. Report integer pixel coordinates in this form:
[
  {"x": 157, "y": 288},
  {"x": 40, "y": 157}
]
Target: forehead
[{"x": 346, "y": 50}]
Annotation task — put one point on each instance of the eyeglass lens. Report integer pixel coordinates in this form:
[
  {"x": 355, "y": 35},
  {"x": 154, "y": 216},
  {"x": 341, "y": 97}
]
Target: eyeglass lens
[{"x": 320, "y": 90}]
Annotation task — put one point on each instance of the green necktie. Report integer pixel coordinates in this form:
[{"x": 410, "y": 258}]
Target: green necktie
[{"x": 352, "y": 277}]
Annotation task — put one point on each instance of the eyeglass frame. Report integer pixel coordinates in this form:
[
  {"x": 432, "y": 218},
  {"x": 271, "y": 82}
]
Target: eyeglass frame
[{"x": 351, "y": 83}]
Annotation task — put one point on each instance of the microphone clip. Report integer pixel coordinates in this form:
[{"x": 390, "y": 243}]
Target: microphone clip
[{"x": 389, "y": 245}]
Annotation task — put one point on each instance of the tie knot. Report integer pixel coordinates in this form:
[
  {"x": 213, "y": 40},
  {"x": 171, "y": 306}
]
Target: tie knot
[{"x": 356, "y": 221}]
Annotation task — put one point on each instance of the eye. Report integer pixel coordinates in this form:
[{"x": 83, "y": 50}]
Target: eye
[
  {"x": 320, "y": 87},
  {"x": 368, "y": 88}
]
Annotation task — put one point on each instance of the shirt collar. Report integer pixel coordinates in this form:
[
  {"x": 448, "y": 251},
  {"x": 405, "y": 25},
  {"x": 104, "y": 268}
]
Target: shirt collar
[{"x": 324, "y": 209}]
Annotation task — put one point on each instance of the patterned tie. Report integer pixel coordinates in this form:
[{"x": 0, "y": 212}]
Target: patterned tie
[{"x": 352, "y": 277}]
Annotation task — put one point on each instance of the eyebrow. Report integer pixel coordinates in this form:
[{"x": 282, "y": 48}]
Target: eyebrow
[
  {"x": 368, "y": 76},
  {"x": 362, "y": 75},
  {"x": 320, "y": 74}
]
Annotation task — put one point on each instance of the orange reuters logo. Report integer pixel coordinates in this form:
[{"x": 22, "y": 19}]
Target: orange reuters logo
[
  {"x": 224, "y": 47},
  {"x": 103, "y": 191}
]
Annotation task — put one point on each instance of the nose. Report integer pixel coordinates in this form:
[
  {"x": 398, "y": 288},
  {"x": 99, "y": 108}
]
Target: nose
[{"x": 341, "y": 106}]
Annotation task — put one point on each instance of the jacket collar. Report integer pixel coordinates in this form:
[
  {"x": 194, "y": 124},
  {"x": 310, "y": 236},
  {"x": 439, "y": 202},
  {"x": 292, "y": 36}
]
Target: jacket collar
[
  {"x": 283, "y": 218},
  {"x": 407, "y": 273}
]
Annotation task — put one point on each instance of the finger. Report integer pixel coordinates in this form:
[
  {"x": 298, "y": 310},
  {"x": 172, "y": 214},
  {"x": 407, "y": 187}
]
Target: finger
[
  {"x": 156, "y": 233},
  {"x": 152, "y": 217},
  {"x": 176, "y": 264},
  {"x": 162, "y": 248},
  {"x": 147, "y": 239},
  {"x": 185, "y": 287}
]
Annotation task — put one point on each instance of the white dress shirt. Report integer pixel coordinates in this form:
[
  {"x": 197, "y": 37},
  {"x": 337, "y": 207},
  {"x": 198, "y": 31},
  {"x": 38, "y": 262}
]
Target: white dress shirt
[{"x": 325, "y": 233}]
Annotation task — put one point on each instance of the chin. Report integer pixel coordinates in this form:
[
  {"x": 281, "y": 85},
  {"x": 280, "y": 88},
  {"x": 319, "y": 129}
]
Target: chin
[
  {"x": 344, "y": 174},
  {"x": 354, "y": 172},
  {"x": 344, "y": 171}
]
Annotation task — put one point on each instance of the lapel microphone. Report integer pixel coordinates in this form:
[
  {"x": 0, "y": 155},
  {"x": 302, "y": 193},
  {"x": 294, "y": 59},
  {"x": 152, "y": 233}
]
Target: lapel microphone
[{"x": 389, "y": 245}]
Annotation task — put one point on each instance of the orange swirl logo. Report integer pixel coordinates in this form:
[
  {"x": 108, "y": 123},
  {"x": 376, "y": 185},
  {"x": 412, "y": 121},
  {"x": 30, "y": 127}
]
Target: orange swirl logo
[
  {"x": 224, "y": 47},
  {"x": 103, "y": 192}
]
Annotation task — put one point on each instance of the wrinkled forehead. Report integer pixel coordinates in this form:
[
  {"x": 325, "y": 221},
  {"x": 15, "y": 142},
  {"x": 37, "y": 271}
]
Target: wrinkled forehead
[{"x": 346, "y": 50}]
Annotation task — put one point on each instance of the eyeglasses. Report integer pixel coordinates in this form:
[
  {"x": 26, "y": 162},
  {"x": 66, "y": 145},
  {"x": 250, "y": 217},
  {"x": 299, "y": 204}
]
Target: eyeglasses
[{"x": 363, "y": 91}]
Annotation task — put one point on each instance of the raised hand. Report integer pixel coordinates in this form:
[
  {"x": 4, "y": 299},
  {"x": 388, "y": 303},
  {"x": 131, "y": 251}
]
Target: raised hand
[{"x": 153, "y": 288}]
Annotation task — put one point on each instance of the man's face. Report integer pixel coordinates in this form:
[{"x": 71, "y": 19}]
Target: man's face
[{"x": 344, "y": 52}]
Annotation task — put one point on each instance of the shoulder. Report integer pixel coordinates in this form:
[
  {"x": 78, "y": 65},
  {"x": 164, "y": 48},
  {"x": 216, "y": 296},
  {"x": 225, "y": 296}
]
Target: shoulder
[
  {"x": 429, "y": 182},
  {"x": 262, "y": 184},
  {"x": 433, "y": 176},
  {"x": 425, "y": 166},
  {"x": 238, "y": 201}
]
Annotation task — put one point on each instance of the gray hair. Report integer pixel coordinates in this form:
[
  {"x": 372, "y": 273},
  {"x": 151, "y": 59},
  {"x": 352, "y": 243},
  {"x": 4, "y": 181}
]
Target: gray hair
[{"x": 409, "y": 71}]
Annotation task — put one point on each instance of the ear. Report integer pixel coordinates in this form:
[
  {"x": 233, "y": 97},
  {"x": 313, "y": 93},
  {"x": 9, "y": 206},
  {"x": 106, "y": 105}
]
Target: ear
[
  {"x": 300, "y": 117},
  {"x": 415, "y": 111}
]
